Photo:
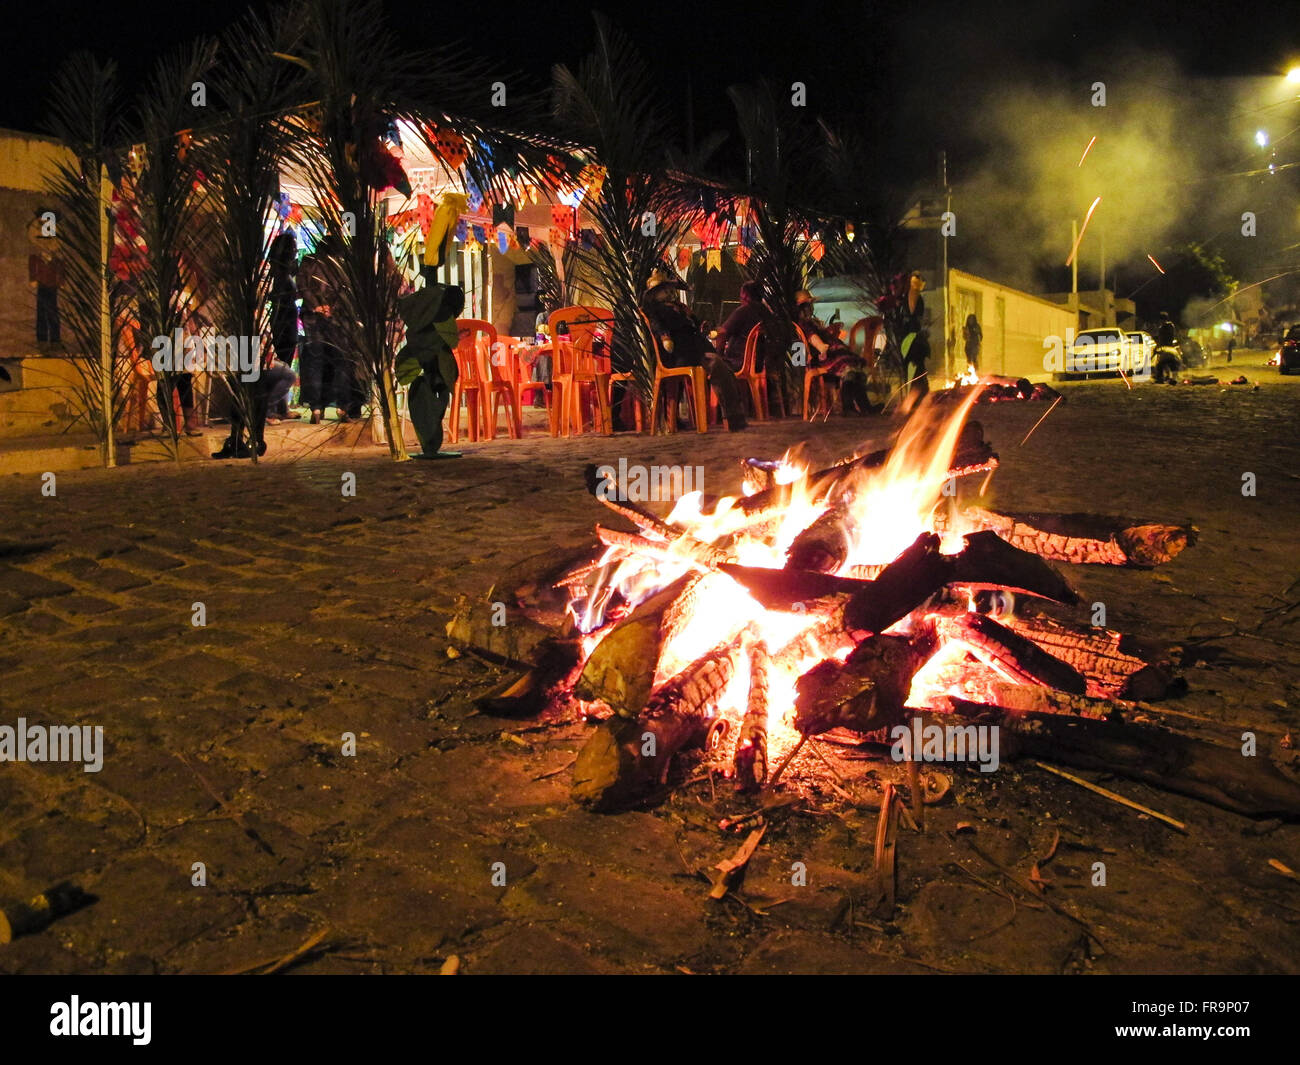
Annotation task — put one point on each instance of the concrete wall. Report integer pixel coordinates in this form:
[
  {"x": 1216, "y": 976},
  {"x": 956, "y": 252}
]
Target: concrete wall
[{"x": 1014, "y": 324}]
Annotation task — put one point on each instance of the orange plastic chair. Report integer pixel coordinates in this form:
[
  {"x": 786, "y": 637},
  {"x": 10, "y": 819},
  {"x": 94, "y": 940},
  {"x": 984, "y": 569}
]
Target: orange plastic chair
[
  {"x": 756, "y": 379},
  {"x": 699, "y": 387},
  {"x": 497, "y": 364},
  {"x": 469, "y": 381},
  {"x": 576, "y": 366},
  {"x": 813, "y": 375}
]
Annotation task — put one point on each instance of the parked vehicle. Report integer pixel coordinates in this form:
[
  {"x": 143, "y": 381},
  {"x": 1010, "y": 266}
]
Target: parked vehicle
[
  {"x": 1104, "y": 350},
  {"x": 1289, "y": 354},
  {"x": 1141, "y": 352}
]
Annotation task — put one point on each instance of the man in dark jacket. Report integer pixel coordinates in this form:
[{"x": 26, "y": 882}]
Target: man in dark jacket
[{"x": 682, "y": 344}]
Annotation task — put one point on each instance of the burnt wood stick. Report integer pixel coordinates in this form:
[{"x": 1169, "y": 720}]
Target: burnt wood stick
[
  {"x": 625, "y": 759},
  {"x": 988, "y": 561},
  {"x": 750, "y": 759},
  {"x": 1089, "y": 538},
  {"x": 972, "y": 455},
  {"x": 604, "y": 488},
  {"x": 1217, "y": 775},
  {"x": 1010, "y": 653},
  {"x": 866, "y": 692}
]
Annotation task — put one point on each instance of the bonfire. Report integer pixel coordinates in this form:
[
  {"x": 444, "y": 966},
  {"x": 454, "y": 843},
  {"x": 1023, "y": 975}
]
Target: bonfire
[{"x": 853, "y": 600}]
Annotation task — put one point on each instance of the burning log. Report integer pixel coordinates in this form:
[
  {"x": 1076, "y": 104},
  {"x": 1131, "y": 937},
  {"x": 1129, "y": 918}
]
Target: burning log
[
  {"x": 1217, "y": 775},
  {"x": 750, "y": 760},
  {"x": 625, "y": 758},
  {"x": 1011, "y": 654},
  {"x": 1088, "y": 538},
  {"x": 1106, "y": 659},
  {"x": 621, "y": 669},
  {"x": 824, "y": 546},
  {"x": 607, "y": 491},
  {"x": 867, "y": 692}
]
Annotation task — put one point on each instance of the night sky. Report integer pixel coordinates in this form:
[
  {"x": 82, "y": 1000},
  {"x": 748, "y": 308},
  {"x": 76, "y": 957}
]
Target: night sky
[
  {"x": 907, "y": 73},
  {"x": 913, "y": 78}
]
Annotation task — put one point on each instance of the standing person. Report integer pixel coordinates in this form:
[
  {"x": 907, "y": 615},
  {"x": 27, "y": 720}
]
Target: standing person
[
  {"x": 1166, "y": 335},
  {"x": 45, "y": 275},
  {"x": 283, "y": 262},
  {"x": 915, "y": 344},
  {"x": 325, "y": 378},
  {"x": 682, "y": 344},
  {"x": 974, "y": 336}
]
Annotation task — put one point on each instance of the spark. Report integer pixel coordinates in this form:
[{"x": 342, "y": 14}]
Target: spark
[
  {"x": 1156, "y": 264},
  {"x": 1087, "y": 218},
  {"x": 1040, "y": 420},
  {"x": 1087, "y": 150}
]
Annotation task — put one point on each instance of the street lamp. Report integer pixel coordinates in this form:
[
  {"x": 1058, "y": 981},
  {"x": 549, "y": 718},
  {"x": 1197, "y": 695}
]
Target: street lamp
[{"x": 1261, "y": 138}]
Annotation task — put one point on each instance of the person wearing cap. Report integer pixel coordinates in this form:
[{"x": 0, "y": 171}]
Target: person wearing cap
[
  {"x": 829, "y": 349},
  {"x": 681, "y": 343}
]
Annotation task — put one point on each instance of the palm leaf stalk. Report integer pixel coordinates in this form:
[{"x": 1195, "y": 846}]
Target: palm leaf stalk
[
  {"x": 160, "y": 185},
  {"x": 241, "y": 155},
  {"x": 83, "y": 113}
]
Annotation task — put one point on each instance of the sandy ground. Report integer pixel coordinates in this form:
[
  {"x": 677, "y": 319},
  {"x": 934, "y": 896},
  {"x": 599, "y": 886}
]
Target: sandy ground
[{"x": 325, "y": 615}]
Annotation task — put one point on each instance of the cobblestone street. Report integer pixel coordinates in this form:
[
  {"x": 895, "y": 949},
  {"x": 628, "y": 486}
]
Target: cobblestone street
[{"x": 326, "y": 614}]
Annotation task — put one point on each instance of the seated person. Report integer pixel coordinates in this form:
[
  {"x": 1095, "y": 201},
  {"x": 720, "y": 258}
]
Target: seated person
[
  {"x": 827, "y": 348},
  {"x": 734, "y": 332},
  {"x": 683, "y": 344}
]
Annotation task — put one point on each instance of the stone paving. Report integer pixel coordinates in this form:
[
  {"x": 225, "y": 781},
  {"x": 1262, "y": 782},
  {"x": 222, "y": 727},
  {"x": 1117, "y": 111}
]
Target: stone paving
[{"x": 325, "y": 614}]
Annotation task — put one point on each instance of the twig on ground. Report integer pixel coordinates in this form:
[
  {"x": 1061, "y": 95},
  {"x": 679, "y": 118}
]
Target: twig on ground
[{"x": 1105, "y": 793}]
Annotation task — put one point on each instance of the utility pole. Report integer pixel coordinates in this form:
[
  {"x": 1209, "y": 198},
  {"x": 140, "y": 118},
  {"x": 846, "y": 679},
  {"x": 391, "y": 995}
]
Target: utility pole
[
  {"x": 943, "y": 240},
  {"x": 1074, "y": 270}
]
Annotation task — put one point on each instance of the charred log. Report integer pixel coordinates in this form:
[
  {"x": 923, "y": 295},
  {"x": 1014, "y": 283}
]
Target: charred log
[
  {"x": 824, "y": 546},
  {"x": 1217, "y": 775},
  {"x": 1115, "y": 666},
  {"x": 1011, "y": 654},
  {"x": 1088, "y": 538},
  {"x": 867, "y": 692}
]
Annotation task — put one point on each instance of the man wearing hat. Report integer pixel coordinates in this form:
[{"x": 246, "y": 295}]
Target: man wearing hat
[
  {"x": 682, "y": 344},
  {"x": 829, "y": 349}
]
